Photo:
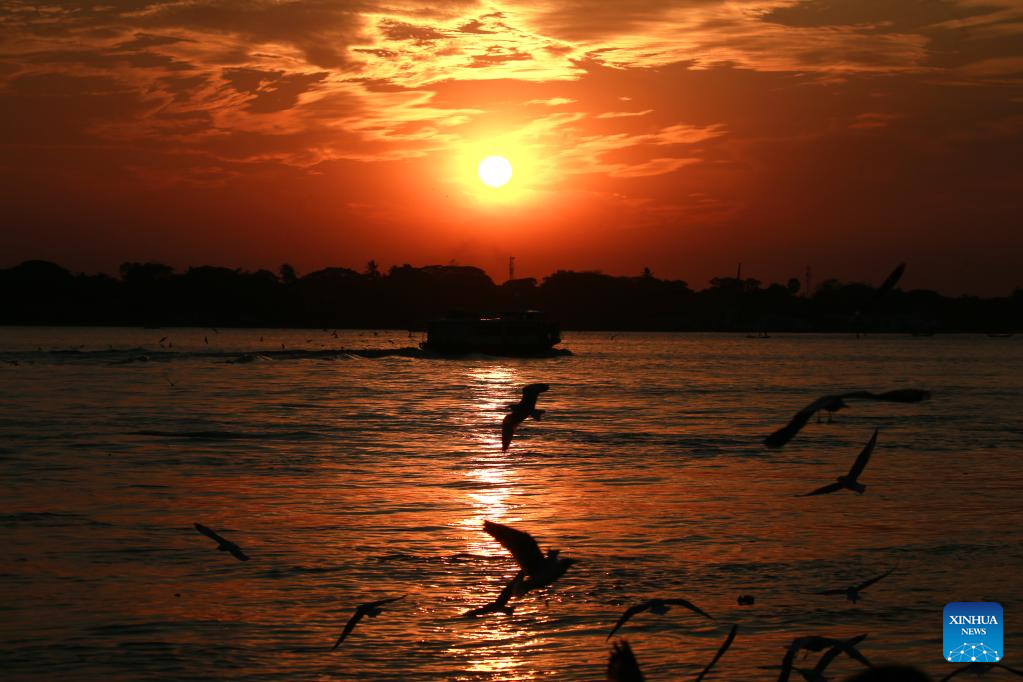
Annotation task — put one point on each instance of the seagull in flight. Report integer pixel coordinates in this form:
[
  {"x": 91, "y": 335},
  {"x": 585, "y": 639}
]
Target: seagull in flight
[
  {"x": 721, "y": 652},
  {"x": 886, "y": 286},
  {"x": 372, "y": 609},
  {"x": 540, "y": 570},
  {"x": 816, "y": 643},
  {"x": 501, "y": 603},
  {"x": 978, "y": 668},
  {"x": 520, "y": 410},
  {"x": 817, "y": 674},
  {"x": 623, "y": 666},
  {"x": 834, "y": 403},
  {"x": 223, "y": 545},
  {"x": 658, "y": 606},
  {"x": 852, "y": 593},
  {"x": 849, "y": 481}
]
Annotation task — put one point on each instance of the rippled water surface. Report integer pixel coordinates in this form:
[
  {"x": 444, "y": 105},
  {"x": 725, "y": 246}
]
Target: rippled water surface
[{"x": 349, "y": 477}]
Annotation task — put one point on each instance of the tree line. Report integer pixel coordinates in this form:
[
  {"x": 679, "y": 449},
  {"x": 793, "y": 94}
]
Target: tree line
[{"x": 407, "y": 297}]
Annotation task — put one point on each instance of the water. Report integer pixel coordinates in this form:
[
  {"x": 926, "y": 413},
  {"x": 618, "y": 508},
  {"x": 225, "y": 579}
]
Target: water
[{"x": 350, "y": 478}]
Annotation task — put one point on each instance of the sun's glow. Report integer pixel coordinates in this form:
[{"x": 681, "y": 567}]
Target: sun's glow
[{"x": 495, "y": 171}]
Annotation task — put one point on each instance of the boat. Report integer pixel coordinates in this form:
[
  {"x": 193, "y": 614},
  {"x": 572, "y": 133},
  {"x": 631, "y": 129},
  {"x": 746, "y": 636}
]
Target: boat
[{"x": 526, "y": 333}]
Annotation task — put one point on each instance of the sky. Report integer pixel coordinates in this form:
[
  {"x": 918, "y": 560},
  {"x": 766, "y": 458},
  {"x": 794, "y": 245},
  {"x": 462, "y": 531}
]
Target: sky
[{"x": 684, "y": 136}]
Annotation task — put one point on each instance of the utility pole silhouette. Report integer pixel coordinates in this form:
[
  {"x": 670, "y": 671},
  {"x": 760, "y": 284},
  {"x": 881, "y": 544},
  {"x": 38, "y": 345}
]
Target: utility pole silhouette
[{"x": 511, "y": 267}]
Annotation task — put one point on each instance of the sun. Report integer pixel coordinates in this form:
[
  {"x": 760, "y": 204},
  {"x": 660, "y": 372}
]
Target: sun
[{"x": 495, "y": 171}]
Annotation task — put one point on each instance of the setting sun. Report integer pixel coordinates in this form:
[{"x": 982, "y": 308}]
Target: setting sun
[{"x": 495, "y": 171}]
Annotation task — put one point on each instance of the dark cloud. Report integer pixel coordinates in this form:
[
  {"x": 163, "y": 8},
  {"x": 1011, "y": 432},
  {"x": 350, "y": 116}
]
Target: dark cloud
[
  {"x": 274, "y": 90},
  {"x": 496, "y": 55},
  {"x": 886, "y": 15},
  {"x": 397, "y": 30}
]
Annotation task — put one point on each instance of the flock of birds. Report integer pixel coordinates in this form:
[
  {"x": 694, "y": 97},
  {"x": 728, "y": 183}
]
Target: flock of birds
[{"x": 538, "y": 570}]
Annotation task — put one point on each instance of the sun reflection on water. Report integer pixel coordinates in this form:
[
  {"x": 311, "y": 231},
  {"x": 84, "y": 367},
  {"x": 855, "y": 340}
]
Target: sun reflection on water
[{"x": 493, "y": 644}]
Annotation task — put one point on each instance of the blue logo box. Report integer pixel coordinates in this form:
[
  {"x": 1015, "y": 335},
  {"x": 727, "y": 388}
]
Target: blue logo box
[{"x": 973, "y": 632}]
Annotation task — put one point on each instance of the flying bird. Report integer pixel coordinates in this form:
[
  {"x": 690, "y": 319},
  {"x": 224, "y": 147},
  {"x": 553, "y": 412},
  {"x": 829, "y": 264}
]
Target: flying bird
[
  {"x": 850, "y": 480},
  {"x": 372, "y": 609},
  {"x": 721, "y": 652},
  {"x": 622, "y": 666},
  {"x": 852, "y": 593},
  {"x": 520, "y": 410},
  {"x": 501, "y": 603},
  {"x": 817, "y": 673},
  {"x": 223, "y": 545},
  {"x": 886, "y": 286},
  {"x": 658, "y": 606},
  {"x": 978, "y": 668},
  {"x": 834, "y": 403},
  {"x": 816, "y": 643},
  {"x": 540, "y": 570},
  {"x": 745, "y": 600}
]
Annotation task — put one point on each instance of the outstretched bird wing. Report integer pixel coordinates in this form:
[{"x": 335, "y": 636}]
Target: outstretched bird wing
[
  {"x": 721, "y": 652},
  {"x": 887, "y": 285},
  {"x": 831, "y": 654},
  {"x": 376, "y": 604},
  {"x": 840, "y": 590},
  {"x": 623, "y": 666},
  {"x": 521, "y": 544},
  {"x": 210, "y": 533},
  {"x": 904, "y": 395},
  {"x": 506, "y": 593},
  {"x": 629, "y": 613},
  {"x": 689, "y": 605},
  {"x": 899, "y": 395},
  {"x": 834, "y": 487},
  {"x": 508, "y": 426},
  {"x": 796, "y": 424},
  {"x": 533, "y": 391},
  {"x": 352, "y": 622},
  {"x": 870, "y": 582},
  {"x": 863, "y": 457},
  {"x": 237, "y": 552}
]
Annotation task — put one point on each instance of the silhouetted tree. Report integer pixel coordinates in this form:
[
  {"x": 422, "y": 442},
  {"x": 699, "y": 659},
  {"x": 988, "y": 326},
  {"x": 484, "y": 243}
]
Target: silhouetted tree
[{"x": 39, "y": 292}]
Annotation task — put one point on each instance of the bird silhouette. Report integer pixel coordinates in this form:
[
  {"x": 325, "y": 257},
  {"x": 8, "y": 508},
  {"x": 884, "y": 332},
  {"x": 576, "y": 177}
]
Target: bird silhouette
[
  {"x": 500, "y": 604},
  {"x": 223, "y": 545},
  {"x": 834, "y": 403},
  {"x": 852, "y": 593},
  {"x": 371, "y": 609},
  {"x": 977, "y": 668},
  {"x": 658, "y": 606},
  {"x": 816, "y": 674},
  {"x": 886, "y": 286},
  {"x": 817, "y": 643},
  {"x": 850, "y": 480},
  {"x": 520, "y": 410},
  {"x": 540, "y": 570},
  {"x": 622, "y": 666},
  {"x": 721, "y": 652}
]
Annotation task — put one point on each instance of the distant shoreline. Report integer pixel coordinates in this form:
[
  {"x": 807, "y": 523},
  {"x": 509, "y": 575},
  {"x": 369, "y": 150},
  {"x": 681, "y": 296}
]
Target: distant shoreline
[{"x": 408, "y": 298}]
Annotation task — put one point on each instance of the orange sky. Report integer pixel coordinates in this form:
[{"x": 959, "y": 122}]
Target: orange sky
[{"x": 685, "y": 136}]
